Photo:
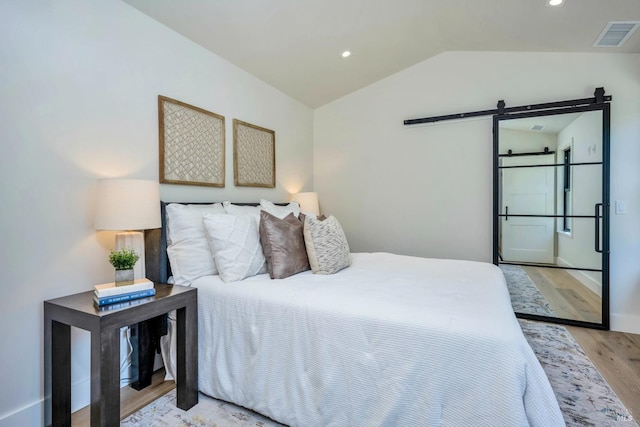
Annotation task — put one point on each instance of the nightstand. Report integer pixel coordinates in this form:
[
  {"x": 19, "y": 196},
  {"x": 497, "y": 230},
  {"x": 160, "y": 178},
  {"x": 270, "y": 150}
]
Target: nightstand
[{"x": 104, "y": 324}]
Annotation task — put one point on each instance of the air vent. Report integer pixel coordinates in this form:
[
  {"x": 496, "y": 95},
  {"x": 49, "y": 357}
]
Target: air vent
[
  {"x": 616, "y": 33},
  {"x": 537, "y": 128}
]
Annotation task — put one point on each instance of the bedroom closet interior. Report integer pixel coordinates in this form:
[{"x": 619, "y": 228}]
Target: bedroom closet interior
[
  {"x": 551, "y": 206},
  {"x": 551, "y": 210}
]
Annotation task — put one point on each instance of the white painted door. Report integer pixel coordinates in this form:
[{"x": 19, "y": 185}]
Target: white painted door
[{"x": 528, "y": 190}]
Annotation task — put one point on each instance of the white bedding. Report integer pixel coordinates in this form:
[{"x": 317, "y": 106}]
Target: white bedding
[{"x": 390, "y": 341}]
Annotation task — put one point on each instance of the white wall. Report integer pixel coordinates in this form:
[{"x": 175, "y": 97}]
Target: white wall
[
  {"x": 576, "y": 249},
  {"x": 522, "y": 141},
  {"x": 427, "y": 190},
  {"x": 79, "y": 82}
]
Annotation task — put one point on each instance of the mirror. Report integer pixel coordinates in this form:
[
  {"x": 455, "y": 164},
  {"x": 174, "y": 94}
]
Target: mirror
[{"x": 550, "y": 226}]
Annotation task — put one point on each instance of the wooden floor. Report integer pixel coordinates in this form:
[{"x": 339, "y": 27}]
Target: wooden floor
[
  {"x": 615, "y": 354},
  {"x": 568, "y": 297},
  {"x": 130, "y": 400},
  {"x": 617, "y": 357}
]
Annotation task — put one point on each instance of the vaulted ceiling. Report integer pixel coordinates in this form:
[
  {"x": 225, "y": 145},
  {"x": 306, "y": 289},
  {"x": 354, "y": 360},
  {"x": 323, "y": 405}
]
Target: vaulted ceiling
[{"x": 296, "y": 45}]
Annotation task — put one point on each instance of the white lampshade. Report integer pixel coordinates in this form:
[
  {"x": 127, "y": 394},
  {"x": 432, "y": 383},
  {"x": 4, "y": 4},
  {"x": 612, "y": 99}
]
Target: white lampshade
[
  {"x": 308, "y": 202},
  {"x": 127, "y": 204}
]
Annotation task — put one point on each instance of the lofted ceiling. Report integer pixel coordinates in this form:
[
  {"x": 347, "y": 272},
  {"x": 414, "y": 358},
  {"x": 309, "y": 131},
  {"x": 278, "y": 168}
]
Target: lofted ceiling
[{"x": 296, "y": 45}]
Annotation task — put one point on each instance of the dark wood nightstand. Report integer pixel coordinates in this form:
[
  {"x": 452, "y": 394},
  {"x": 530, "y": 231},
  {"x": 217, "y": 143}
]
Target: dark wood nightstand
[{"x": 104, "y": 324}]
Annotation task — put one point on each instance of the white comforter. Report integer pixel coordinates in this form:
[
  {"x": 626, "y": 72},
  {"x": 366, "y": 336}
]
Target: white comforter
[{"x": 390, "y": 341}]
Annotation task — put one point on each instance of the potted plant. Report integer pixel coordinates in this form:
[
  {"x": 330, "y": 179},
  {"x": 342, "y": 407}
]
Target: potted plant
[{"x": 123, "y": 261}]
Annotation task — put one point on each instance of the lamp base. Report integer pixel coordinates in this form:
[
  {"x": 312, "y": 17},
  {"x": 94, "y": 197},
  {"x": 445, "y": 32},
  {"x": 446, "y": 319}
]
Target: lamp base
[{"x": 133, "y": 240}]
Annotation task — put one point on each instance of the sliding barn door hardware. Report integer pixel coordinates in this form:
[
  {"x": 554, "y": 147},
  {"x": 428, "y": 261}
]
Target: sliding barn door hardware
[{"x": 598, "y": 98}]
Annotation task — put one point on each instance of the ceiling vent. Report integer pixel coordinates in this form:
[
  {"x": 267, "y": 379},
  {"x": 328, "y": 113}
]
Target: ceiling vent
[
  {"x": 537, "y": 128},
  {"x": 616, "y": 33}
]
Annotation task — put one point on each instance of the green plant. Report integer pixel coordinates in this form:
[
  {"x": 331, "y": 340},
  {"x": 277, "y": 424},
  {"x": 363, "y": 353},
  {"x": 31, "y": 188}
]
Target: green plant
[{"x": 124, "y": 259}]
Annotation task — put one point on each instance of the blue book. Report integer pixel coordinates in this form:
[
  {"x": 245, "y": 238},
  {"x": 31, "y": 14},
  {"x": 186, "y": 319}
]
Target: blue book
[
  {"x": 123, "y": 297},
  {"x": 121, "y": 305}
]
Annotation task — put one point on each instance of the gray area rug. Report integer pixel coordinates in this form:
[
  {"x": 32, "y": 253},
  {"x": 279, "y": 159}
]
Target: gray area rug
[
  {"x": 208, "y": 412},
  {"x": 585, "y": 398},
  {"x": 525, "y": 296}
]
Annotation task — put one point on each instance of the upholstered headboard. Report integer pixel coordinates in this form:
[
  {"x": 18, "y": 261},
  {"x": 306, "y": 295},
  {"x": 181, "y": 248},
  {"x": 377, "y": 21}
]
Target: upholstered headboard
[{"x": 157, "y": 263}]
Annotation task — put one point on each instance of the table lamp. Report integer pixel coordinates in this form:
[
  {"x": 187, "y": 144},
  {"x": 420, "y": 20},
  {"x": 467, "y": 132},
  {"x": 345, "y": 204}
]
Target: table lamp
[
  {"x": 129, "y": 205},
  {"x": 308, "y": 202}
]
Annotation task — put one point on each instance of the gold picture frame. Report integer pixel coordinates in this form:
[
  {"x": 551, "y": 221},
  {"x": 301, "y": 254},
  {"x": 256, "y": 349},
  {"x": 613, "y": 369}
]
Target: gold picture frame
[
  {"x": 254, "y": 155},
  {"x": 192, "y": 144}
]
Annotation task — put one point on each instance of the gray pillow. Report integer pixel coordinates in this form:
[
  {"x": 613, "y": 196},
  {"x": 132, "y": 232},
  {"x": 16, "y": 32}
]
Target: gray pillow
[
  {"x": 283, "y": 245},
  {"x": 327, "y": 246}
]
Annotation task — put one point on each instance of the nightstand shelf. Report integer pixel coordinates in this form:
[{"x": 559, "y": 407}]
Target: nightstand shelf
[{"x": 104, "y": 325}]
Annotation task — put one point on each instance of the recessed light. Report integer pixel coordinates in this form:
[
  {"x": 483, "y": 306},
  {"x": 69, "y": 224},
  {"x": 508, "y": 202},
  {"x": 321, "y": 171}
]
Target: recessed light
[
  {"x": 555, "y": 2},
  {"x": 346, "y": 54}
]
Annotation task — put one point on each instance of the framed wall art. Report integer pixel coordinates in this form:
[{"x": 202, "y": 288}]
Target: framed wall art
[
  {"x": 254, "y": 155},
  {"x": 192, "y": 142}
]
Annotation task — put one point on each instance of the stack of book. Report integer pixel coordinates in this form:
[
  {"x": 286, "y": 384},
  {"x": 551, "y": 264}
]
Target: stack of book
[{"x": 109, "y": 293}]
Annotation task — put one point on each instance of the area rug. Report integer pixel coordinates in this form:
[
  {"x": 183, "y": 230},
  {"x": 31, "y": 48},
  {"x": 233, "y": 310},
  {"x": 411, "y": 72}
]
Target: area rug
[
  {"x": 525, "y": 296},
  {"x": 585, "y": 398},
  {"x": 209, "y": 412}
]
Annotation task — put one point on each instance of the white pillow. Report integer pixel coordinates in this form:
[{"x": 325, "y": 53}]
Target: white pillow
[
  {"x": 280, "y": 211},
  {"x": 232, "y": 209},
  {"x": 187, "y": 245},
  {"x": 235, "y": 243},
  {"x": 327, "y": 246}
]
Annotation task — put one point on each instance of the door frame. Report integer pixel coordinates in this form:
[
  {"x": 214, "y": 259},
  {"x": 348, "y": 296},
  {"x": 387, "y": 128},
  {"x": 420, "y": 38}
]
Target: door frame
[{"x": 548, "y": 110}]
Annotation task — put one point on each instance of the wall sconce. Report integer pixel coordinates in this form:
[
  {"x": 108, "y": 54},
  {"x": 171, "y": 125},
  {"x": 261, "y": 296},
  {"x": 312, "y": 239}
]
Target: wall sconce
[
  {"x": 308, "y": 202},
  {"x": 129, "y": 204}
]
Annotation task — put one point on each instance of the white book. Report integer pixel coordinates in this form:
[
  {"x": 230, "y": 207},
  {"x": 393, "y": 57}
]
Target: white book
[{"x": 110, "y": 289}]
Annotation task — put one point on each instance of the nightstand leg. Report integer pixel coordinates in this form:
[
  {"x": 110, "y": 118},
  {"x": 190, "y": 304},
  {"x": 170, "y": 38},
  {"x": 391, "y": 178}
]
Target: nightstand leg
[
  {"x": 187, "y": 356},
  {"x": 60, "y": 374},
  {"x": 105, "y": 378}
]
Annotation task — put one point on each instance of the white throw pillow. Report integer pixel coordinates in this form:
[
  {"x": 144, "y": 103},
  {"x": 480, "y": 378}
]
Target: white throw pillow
[
  {"x": 187, "y": 245},
  {"x": 235, "y": 244},
  {"x": 280, "y": 211},
  {"x": 327, "y": 246},
  {"x": 253, "y": 211}
]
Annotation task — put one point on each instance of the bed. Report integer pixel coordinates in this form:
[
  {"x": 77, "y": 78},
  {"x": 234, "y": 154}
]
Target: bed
[{"x": 389, "y": 341}]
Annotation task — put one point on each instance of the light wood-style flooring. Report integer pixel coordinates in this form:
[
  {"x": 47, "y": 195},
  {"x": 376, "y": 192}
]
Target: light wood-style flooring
[
  {"x": 568, "y": 297},
  {"x": 615, "y": 354},
  {"x": 617, "y": 357},
  {"x": 130, "y": 400}
]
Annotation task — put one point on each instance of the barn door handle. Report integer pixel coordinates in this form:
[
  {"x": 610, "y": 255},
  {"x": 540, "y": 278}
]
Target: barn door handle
[
  {"x": 597, "y": 237},
  {"x": 506, "y": 213}
]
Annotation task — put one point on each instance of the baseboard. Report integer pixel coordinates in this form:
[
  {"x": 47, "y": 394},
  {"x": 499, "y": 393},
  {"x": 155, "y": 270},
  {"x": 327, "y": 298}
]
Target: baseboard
[
  {"x": 30, "y": 415},
  {"x": 625, "y": 323},
  {"x": 582, "y": 277},
  {"x": 80, "y": 394},
  {"x": 33, "y": 415}
]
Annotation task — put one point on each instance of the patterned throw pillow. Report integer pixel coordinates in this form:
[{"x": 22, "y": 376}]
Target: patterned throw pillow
[
  {"x": 235, "y": 244},
  {"x": 327, "y": 246}
]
